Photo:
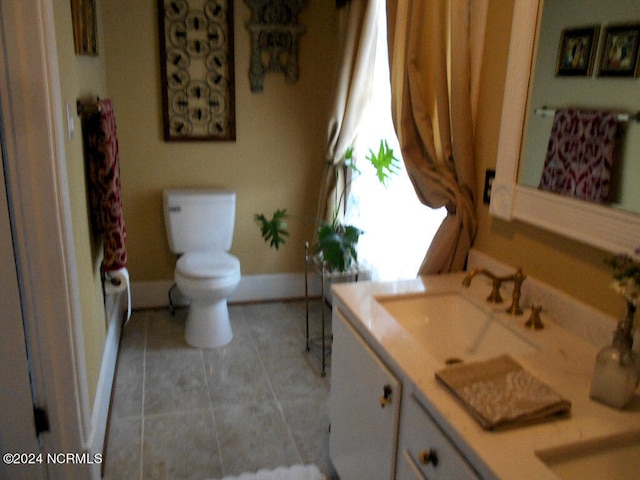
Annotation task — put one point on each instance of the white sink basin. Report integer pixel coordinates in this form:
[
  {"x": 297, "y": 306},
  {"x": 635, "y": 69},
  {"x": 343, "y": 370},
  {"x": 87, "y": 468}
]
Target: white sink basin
[
  {"x": 614, "y": 458},
  {"x": 452, "y": 328}
]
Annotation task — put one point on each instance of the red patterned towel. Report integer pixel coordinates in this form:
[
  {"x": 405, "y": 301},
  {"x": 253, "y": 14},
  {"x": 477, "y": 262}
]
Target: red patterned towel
[
  {"x": 580, "y": 154},
  {"x": 101, "y": 149}
]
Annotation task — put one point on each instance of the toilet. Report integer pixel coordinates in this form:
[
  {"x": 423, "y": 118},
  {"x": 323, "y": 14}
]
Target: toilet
[{"x": 199, "y": 227}]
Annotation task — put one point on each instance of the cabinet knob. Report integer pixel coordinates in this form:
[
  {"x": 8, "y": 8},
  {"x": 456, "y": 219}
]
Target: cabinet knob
[
  {"x": 385, "y": 400},
  {"x": 427, "y": 457}
]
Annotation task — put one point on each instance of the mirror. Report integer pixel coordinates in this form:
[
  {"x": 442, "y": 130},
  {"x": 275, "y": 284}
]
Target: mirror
[
  {"x": 613, "y": 230},
  {"x": 588, "y": 83}
]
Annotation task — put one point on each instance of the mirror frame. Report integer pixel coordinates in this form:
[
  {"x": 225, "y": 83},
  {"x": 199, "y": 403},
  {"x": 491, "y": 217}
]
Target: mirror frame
[{"x": 607, "y": 228}]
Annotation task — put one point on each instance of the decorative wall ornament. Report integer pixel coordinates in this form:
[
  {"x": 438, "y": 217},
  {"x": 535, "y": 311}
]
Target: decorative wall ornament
[
  {"x": 274, "y": 33},
  {"x": 197, "y": 69}
]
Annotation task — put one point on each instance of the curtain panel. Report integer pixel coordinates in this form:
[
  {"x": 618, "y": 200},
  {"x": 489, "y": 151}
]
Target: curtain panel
[
  {"x": 352, "y": 94},
  {"x": 432, "y": 90}
]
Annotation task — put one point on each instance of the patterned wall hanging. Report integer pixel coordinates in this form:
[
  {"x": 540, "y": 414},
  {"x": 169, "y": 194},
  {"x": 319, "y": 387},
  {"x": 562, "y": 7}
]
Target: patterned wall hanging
[
  {"x": 196, "y": 59},
  {"x": 274, "y": 33}
]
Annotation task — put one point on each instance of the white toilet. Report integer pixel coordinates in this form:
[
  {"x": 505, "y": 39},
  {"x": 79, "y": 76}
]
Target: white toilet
[{"x": 200, "y": 229}]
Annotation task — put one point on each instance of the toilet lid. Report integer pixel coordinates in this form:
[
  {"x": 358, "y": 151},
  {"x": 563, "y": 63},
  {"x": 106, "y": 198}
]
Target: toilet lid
[{"x": 207, "y": 264}]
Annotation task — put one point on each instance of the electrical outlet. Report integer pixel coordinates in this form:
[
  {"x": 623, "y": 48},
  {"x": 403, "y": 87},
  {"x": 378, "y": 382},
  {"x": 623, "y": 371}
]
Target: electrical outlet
[{"x": 488, "y": 183}]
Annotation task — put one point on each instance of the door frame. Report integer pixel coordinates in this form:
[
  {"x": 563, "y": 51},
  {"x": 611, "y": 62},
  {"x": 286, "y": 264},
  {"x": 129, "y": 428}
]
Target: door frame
[
  {"x": 38, "y": 196},
  {"x": 16, "y": 396}
]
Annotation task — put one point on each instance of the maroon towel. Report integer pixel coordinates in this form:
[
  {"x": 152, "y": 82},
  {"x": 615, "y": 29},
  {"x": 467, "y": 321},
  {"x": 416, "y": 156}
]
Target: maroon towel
[
  {"x": 101, "y": 149},
  {"x": 580, "y": 154}
]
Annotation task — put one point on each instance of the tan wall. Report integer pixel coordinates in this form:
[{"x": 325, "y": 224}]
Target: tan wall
[
  {"x": 275, "y": 162},
  {"x": 82, "y": 76},
  {"x": 277, "y": 158},
  {"x": 573, "y": 267}
]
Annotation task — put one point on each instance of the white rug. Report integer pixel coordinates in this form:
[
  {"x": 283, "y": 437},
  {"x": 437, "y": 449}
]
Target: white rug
[{"x": 295, "y": 472}]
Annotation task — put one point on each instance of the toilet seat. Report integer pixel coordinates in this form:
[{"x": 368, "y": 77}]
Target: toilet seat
[{"x": 207, "y": 265}]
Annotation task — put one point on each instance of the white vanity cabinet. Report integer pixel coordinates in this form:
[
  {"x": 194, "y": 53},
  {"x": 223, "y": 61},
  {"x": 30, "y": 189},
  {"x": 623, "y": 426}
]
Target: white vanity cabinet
[
  {"x": 363, "y": 408},
  {"x": 377, "y": 345},
  {"x": 377, "y": 430},
  {"x": 424, "y": 451}
]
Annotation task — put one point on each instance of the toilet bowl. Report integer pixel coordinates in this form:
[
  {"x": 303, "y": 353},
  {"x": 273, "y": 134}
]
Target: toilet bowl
[
  {"x": 200, "y": 230},
  {"x": 207, "y": 279}
]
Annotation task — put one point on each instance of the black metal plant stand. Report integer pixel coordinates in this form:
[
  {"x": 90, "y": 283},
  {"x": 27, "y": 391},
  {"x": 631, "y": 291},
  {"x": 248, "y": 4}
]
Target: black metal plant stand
[{"x": 317, "y": 266}]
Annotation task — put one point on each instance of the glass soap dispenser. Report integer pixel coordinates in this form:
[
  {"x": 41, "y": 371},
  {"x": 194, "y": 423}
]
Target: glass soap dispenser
[{"x": 615, "y": 376}]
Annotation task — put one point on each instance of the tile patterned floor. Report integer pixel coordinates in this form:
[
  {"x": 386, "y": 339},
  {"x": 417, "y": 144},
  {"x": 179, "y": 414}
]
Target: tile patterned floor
[{"x": 185, "y": 413}]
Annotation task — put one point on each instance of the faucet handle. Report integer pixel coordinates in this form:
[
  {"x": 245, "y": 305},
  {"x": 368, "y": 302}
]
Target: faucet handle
[{"x": 534, "y": 322}]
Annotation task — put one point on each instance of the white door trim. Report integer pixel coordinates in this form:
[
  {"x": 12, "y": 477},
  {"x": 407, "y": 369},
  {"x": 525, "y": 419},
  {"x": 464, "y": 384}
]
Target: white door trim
[
  {"x": 16, "y": 414},
  {"x": 39, "y": 201}
]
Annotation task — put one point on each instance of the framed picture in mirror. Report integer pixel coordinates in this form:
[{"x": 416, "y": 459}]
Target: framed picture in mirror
[
  {"x": 576, "y": 51},
  {"x": 619, "y": 51}
]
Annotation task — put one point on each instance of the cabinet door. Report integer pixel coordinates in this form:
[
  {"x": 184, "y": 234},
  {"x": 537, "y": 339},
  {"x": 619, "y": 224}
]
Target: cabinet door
[{"x": 363, "y": 408}]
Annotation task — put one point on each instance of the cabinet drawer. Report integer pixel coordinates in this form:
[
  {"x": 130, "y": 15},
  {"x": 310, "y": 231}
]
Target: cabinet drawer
[{"x": 425, "y": 452}]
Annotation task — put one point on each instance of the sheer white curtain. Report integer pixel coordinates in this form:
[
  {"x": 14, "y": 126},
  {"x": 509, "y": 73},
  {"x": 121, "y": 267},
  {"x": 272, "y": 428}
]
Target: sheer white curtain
[
  {"x": 351, "y": 95},
  {"x": 398, "y": 227}
]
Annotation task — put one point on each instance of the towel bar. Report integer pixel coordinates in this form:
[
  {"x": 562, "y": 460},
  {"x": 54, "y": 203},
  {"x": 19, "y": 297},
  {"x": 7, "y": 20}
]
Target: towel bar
[
  {"x": 622, "y": 117},
  {"x": 82, "y": 107}
]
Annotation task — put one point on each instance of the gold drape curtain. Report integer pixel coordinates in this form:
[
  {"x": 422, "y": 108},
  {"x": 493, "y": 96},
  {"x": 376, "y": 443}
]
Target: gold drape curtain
[
  {"x": 352, "y": 94},
  {"x": 431, "y": 64}
]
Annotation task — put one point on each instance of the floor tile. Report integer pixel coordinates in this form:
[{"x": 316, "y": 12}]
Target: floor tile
[
  {"x": 253, "y": 435},
  {"x": 174, "y": 382},
  {"x": 308, "y": 420},
  {"x": 180, "y": 446},
  {"x": 258, "y": 402},
  {"x": 128, "y": 385},
  {"x": 123, "y": 454}
]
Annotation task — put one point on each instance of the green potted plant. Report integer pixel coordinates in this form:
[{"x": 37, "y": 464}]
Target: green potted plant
[{"x": 336, "y": 243}]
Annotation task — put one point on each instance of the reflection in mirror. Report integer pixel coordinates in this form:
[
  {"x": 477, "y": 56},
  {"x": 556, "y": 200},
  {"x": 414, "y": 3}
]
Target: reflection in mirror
[
  {"x": 605, "y": 164},
  {"x": 611, "y": 229}
]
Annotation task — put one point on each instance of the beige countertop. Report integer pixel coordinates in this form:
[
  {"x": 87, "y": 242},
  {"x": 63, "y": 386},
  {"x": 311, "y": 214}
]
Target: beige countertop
[{"x": 564, "y": 361}]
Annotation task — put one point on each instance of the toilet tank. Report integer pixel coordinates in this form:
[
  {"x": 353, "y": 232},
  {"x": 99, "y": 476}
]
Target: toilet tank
[{"x": 199, "y": 220}]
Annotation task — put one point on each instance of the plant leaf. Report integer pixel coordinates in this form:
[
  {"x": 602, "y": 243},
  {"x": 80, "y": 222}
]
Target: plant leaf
[
  {"x": 273, "y": 231},
  {"x": 385, "y": 162},
  {"x": 337, "y": 246}
]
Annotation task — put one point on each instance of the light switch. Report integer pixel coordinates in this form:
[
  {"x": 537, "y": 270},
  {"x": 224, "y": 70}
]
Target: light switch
[{"x": 71, "y": 127}]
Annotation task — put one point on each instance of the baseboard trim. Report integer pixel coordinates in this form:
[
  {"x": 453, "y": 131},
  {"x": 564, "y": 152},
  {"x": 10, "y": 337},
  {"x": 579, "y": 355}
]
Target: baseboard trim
[
  {"x": 116, "y": 307},
  {"x": 252, "y": 288}
]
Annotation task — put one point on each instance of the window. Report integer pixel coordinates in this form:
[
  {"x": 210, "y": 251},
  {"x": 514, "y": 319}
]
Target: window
[{"x": 398, "y": 228}]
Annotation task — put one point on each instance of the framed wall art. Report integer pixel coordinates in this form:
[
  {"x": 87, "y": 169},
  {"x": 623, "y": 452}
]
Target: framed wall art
[
  {"x": 619, "y": 51},
  {"x": 85, "y": 32},
  {"x": 576, "y": 51},
  {"x": 197, "y": 69}
]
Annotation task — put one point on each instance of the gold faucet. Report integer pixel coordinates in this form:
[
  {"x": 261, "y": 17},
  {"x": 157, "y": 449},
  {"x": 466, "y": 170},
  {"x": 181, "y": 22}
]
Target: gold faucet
[{"x": 494, "y": 297}]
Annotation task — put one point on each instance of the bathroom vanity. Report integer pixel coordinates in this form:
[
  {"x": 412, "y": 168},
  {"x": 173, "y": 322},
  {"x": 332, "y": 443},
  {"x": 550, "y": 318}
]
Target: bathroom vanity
[{"x": 390, "y": 417}]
